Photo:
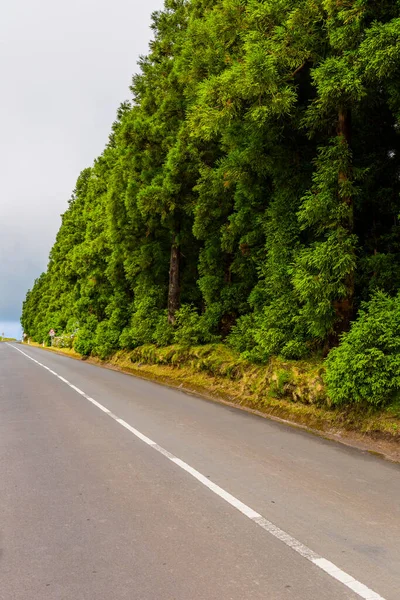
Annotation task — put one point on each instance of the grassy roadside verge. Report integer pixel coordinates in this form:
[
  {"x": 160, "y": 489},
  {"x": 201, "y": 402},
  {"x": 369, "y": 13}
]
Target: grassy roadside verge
[{"x": 284, "y": 390}]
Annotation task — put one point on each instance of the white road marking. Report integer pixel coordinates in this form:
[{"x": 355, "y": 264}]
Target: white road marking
[{"x": 325, "y": 565}]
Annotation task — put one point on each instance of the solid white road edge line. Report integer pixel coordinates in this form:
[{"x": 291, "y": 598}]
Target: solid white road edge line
[{"x": 356, "y": 586}]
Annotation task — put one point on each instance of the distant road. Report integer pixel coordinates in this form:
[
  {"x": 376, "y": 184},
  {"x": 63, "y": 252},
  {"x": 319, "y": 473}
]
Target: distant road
[{"x": 115, "y": 488}]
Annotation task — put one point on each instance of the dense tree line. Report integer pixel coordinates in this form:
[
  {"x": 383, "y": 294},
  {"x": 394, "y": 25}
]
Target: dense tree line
[{"x": 249, "y": 192}]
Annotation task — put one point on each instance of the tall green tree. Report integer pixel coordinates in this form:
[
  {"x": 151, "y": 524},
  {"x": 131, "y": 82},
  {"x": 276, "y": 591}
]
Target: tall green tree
[{"x": 248, "y": 190}]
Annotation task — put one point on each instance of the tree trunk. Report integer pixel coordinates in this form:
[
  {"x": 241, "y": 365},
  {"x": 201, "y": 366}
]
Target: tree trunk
[
  {"x": 174, "y": 291},
  {"x": 344, "y": 125},
  {"x": 344, "y": 307}
]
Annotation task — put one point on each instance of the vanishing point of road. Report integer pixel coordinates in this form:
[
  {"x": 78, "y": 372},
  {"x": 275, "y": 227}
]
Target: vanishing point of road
[{"x": 114, "y": 488}]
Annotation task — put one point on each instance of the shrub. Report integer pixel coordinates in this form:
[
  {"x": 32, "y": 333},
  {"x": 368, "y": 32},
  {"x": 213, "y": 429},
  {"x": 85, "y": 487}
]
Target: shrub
[
  {"x": 279, "y": 331},
  {"x": 241, "y": 337},
  {"x": 106, "y": 339},
  {"x": 84, "y": 340},
  {"x": 144, "y": 321},
  {"x": 274, "y": 332},
  {"x": 365, "y": 367},
  {"x": 191, "y": 328},
  {"x": 125, "y": 339},
  {"x": 164, "y": 332},
  {"x": 294, "y": 350},
  {"x": 66, "y": 340}
]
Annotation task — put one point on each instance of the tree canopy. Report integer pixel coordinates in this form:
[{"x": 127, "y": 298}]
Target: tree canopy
[{"x": 249, "y": 190}]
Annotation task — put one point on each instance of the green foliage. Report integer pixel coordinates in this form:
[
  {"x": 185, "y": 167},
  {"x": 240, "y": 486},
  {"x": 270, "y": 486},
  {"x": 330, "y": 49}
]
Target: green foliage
[
  {"x": 241, "y": 337},
  {"x": 323, "y": 268},
  {"x": 145, "y": 318},
  {"x": 248, "y": 193},
  {"x": 85, "y": 338},
  {"x": 191, "y": 328},
  {"x": 63, "y": 341},
  {"x": 106, "y": 340},
  {"x": 365, "y": 368},
  {"x": 164, "y": 332}
]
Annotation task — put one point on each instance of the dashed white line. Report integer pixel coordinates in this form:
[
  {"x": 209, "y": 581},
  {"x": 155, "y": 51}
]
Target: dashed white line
[{"x": 322, "y": 563}]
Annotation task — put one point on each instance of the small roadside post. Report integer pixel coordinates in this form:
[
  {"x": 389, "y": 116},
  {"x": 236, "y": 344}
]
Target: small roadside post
[{"x": 52, "y": 333}]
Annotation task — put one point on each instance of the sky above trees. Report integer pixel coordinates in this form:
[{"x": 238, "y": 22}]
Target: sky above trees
[{"x": 65, "y": 69}]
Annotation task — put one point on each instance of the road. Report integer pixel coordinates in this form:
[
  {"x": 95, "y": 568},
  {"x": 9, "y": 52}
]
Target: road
[{"x": 117, "y": 488}]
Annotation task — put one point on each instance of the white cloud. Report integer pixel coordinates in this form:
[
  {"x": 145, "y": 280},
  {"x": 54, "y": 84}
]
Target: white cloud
[{"x": 65, "y": 69}]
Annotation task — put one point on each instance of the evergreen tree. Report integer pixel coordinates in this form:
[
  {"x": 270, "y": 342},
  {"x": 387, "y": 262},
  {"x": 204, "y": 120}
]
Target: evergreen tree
[{"x": 249, "y": 190}]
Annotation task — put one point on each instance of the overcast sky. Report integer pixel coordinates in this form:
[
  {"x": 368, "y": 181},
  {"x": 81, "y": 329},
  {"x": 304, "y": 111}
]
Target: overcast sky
[{"x": 65, "y": 67}]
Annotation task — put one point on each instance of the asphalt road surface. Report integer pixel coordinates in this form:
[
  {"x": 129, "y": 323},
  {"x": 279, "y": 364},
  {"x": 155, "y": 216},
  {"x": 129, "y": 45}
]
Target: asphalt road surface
[{"x": 115, "y": 488}]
